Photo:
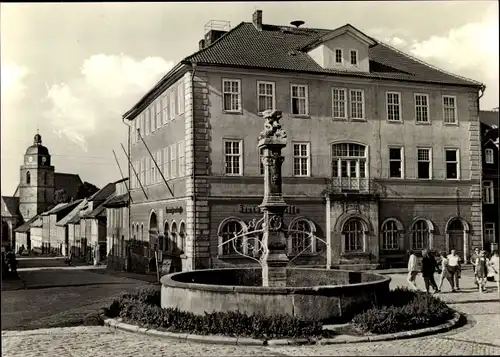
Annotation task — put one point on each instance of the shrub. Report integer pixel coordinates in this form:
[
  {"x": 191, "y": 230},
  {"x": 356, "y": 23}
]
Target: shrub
[
  {"x": 143, "y": 308},
  {"x": 403, "y": 310}
]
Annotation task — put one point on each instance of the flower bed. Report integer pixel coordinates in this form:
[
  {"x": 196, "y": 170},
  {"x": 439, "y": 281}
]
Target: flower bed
[
  {"x": 400, "y": 310},
  {"x": 403, "y": 310}
]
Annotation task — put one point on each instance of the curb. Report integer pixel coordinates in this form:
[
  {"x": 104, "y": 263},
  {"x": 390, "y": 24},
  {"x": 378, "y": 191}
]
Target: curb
[{"x": 214, "y": 339}]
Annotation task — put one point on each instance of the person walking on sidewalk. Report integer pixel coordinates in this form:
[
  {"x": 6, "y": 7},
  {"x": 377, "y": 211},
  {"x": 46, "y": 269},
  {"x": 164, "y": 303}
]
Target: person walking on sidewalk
[
  {"x": 429, "y": 266},
  {"x": 412, "y": 270},
  {"x": 445, "y": 274},
  {"x": 454, "y": 269},
  {"x": 495, "y": 266},
  {"x": 481, "y": 265},
  {"x": 473, "y": 258}
]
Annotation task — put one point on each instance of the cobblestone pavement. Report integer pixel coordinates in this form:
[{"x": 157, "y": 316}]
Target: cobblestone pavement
[{"x": 481, "y": 336}]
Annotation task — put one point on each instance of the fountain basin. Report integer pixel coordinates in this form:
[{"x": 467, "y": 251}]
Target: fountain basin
[{"x": 327, "y": 295}]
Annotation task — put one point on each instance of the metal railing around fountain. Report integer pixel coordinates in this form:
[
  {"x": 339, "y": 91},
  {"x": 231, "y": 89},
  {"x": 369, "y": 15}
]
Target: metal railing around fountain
[{"x": 251, "y": 233}]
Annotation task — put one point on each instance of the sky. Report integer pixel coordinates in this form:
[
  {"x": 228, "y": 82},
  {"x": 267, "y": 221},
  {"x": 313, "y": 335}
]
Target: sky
[{"x": 71, "y": 70}]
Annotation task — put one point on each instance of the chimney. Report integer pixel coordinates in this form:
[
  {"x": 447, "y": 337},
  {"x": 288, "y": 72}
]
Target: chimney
[
  {"x": 201, "y": 44},
  {"x": 257, "y": 19}
]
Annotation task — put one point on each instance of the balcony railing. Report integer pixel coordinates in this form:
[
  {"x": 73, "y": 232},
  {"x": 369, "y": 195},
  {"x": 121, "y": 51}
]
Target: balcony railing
[{"x": 356, "y": 185}]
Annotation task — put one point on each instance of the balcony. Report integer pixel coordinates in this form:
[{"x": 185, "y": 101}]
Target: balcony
[{"x": 354, "y": 186}]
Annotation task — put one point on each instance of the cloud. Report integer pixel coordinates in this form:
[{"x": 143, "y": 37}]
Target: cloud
[
  {"x": 470, "y": 50},
  {"x": 107, "y": 86},
  {"x": 12, "y": 85}
]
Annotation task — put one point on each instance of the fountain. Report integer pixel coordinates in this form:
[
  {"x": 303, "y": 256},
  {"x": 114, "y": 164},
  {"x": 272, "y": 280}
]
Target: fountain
[{"x": 274, "y": 288}]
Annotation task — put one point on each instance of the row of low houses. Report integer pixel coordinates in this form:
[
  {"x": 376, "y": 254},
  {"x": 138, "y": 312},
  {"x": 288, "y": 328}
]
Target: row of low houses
[{"x": 79, "y": 227}]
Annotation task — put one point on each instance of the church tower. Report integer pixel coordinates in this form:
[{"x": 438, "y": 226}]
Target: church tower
[{"x": 37, "y": 181}]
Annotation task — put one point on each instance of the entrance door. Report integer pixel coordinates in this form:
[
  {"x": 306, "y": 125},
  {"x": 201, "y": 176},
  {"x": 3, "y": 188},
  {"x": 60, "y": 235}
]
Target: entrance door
[{"x": 456, "y": 236}]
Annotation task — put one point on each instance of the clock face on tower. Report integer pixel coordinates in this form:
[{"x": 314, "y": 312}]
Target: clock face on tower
[
  {"x": 30, "y": 159},
  {"x": 44, "y": 160}
]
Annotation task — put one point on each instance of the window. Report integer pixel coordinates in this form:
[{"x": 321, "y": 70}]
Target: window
[
  {"x": 261, "y": 157},
  {"x": 338, "y": 55},
  {"x": 28, "y": 177},
  {"x": 143, "y": 171},
  {"x": 299, "y": 100},
  {"x": 45, "y": 195},
  {"x": 166, "y": 113},
  {"x": 390, "y": 236},
  {"x": 153, "y": 178},
  {"x": 173, "y": 236},
  {"x": 419, "y": 235},
  {"x": 173, "y": 161},
  {"x": 147, "y": 123},
  {"x": 424, "y": 167},
  {"x": 488, "y": 156},
  {"x": 159, "y": 112},
  {"x": 449, "y": 109},
  {"x": 182, "y": 237},
  {"x": 231, "y": 89},
  {"x": 232, "y": 157},
  {"x": 422, "y": 108},
  {"x": 266, "y": 96},
  {"x": 488, "y": 193},
  {"x": 133, "y": 134},
  {"x": 152, "y": 118},
  {"x": 137, "y": 130},
  {"x": 396, "y": 162},
  {"x": 393, "y": 106},
  {"x": 166, "y": 163},
  {"x": 349, "y": 165},
  {"x": 180, "y": 97},
  {"x": 357, "y": 104},
  {"x": 354, "y": 57},
  {"x": 339, "y": 103},
  {"x": 44, "y": 178},
  {"x": 182, "y": 168},
  {"x": 148, "y": 171},
  {"x": 166, "y": 238},
  {"x": 489, "y": 232},
  {"x": 227, "y": 232},
  {"x": 172, "y": 105},
  {"x": 158, "y": 163},
  {"x": 144, "y": 125},
  {"x": 301, "y": 159},
  {"x": 300, "y": 237},
  {"x": 353, "y": 233},
  {"x": 452, "y": 164}
]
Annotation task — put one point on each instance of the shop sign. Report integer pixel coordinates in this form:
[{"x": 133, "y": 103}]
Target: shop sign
[
  {"x": 256, "y": 209},
  {"x": 174, "y": 210}
]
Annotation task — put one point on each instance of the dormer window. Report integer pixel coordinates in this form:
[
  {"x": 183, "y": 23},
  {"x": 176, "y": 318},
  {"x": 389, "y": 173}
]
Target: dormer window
[
  {"x": 338, "y": 55},
  {"x": 354, "y": 57},
  {"x": 488, "y": 156}
]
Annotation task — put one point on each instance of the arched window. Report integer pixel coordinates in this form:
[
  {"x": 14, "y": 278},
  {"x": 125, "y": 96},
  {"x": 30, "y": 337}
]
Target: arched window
[
  {"x": 419, "y": 235},
  {"x": 226, "y": 232},
  {"x": 153, "y": 231},
  {"x": 488, "y": 156},
  {"x": 44, "y": 178},
  {"x": 142, "y": 231},
  {"x": 173, "y": 234},
  {"x": 349, "y": 165},
  {"x": 28, "y": 177},
  {"x": 182, "y": 237},
  {"x": 354, "y": 234},
  {"x": 455, "y": 231},
  {"x": 254, "y": 239},
  {"x": 390, "y": 235},
  {"x": 300, "y": 236},
  {"x": 166, "y": 237}
]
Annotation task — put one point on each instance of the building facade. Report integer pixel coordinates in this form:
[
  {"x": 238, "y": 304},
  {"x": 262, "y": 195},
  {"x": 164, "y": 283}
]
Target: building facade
[{"x": 383, "y": 154}]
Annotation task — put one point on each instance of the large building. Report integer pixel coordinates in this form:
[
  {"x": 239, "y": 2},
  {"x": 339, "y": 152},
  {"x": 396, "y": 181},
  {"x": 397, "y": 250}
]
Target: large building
[
  {"x": 383, "y": 154},
  {"x": 38, "y": 182},
  {"x": 491, "y": 176}
]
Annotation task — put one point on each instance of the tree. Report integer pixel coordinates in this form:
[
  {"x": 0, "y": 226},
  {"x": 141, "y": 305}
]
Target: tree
[
  {"x": 85, "y": 190},
  {"x": 60, "y": 196}
]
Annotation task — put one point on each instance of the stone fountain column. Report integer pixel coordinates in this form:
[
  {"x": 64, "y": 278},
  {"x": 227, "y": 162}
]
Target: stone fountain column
[{"x": 274, "y": 260}]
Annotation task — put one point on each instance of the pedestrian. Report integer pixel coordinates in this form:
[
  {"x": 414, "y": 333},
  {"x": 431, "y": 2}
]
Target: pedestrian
[
  {"x": 445, "y": 274},
  {"x": 495, "y": 267},
  {"x": 429, "y": 266},
  {"x": 70, "y": 258},
  {"x": 454, "y": 268},
  {"x": 412, "y": 270},
  {"x": 481, "y": 265},
  {"x": 473, "y": 258}
]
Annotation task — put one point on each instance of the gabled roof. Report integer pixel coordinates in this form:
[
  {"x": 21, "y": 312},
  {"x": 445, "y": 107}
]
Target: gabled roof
[
  {"x": 62, "y": 207},
  {"x": 12, "y": 206},
  {"x": 68, "y": 182},
  {"x": 26, "y": 226},
  {"x": 349, "y": 29},
  {"x": 281, "y": 48},
  {"x": 117, "y": 201},
  {"x": 73, "y": 213},
  {"x": 489, "y": 117},
  {"x": 103, "y": 193},
  {"x": 100, "y": 211},
  {"x": 56, "y": 207}
]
